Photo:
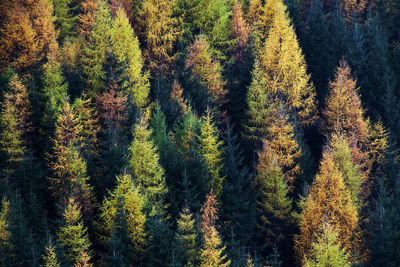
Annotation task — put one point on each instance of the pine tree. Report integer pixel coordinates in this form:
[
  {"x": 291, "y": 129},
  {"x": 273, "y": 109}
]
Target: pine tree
[
  {"x": 211, "y": 151},
  {"x": 145, "y": 165},
  {"x": 327, "y": 251},
  {"x": 328, "y": 202},
  {"x": 122, "y": 211},
  {"x": 72, "y": 235},
  {"x": 209, "y": 72},
  {"x": 158, "y": 31},
  {"x": 284, "y": 69},
  {"x": 212, "y": 254},
  {"x": 276, "y": 216},
  {"x": 127, "y": 50},
  {"x": 186, "y": 236},
  {"x": 50, "y": 258}
]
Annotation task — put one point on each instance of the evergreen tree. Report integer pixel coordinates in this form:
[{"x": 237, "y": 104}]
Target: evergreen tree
[
  {"x": 284, "y": 69},
  {"x": 145, "y": 165},
  {"x": 50, "y": 258},
  {"x": 72, "y": 235},
  {"x": 328, "y": 202},
  {"x": 121, "y": 215},
  {"x": 186, "y": 237},
  {"x": 127, "y": 50},
  {"x": 327, "y": 251},
  {"x": 211, "y": 151}
]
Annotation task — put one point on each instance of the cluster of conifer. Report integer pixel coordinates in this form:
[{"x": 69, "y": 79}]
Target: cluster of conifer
[{"x": 199, "y": 133}]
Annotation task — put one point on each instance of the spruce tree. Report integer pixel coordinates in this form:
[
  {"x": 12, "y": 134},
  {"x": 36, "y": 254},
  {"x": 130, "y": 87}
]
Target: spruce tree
[
  {"x": 73, "y": 236},
  {"x": 284, "y": 69}
]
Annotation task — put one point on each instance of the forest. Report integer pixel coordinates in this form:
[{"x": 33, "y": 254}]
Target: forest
[{"x": 254, "y": 133}]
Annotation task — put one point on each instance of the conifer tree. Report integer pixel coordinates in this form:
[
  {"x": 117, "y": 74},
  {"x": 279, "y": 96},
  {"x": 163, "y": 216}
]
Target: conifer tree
[
  {"x": 50, "y": 257},
  {"x": 158, "y": 31},
  {"x": 126, "y": 48},
  {"x": 260, "y": 108},
  {"x": 284, "y": 69},
  {"x": 328, "y": 202},
  {"x": 86, "y": 17},
  {"x": 211, "y": 151},
  {"x": 65, "y": 19},
  {"x": 5, "y": 245},
  {"x": 95, "y": 52},
  {"x": 122, "y": 211},
  {"x": 240, "y": 31},
  {"x": 208, "y": 70},
  {"x": 15, "y": 128},
  {"x": 54, "y": 93},
  {"x": 327, "y": 251},
  {"x": 186, "y": 236},
  {"x": 282, "y": 140},
  {"x": 212, "y": 253},
  {"x": 145, "y": 165},
  {"x": 276, "y": 216},
  {"x": 73, "y": 236}
]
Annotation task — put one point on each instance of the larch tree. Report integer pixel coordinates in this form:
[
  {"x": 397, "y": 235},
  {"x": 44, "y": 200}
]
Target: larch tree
[
  {"x": 209, "y": 71},
  {"x": 73, "y": 235},
  {"x": 50, "y": 257},
  {"x": 123, "y": 208},
  {"x": 54, "y": 93},
  {"x": 211, "y": 152},
  {"x": 145, "y": 165},
  {"x": 125, "y": 45},
  {"x": 240, "y": 32},
  {"x": 212, "y": 253},
  {"x": 69, "y": 174},
  {"x": 276, "y": 216},
  {"x": 327, "y": 251},
  {"x": 186, "y": 237},
  {"x": 282, "y": 140},
  {"x": 86, "y": 17},
  {"x": 344, "y": 115},
  {"x": 328, "y": 202},
  {"x": 5, "y": 244},
  {"x": 16, "y": 127},
  {"x": 158, "y": 31},
  {"x": 284, "y": 69},
  {"x": 95, "y": 52},
  {"x": 65, "y": 18}
]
